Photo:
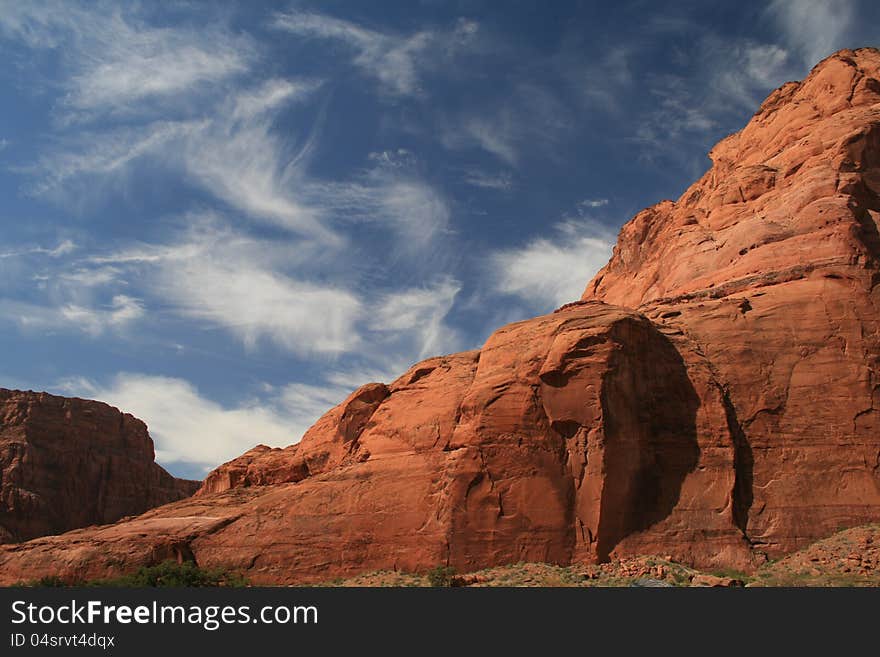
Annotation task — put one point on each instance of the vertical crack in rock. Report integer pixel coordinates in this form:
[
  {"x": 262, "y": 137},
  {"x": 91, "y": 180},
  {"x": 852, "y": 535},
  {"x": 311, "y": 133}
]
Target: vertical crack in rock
[{"x": 743, "y": 465}]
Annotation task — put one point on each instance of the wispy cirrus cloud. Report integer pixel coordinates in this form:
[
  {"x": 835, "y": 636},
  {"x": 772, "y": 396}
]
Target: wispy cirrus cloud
[
  {"x": 100, "y": 157},
  {"x": 530, "y": 119},
  {"x": 254, "y": 303},
  {"x": 390, "y": 196},
  {"x": 814, "y": 29},
  {"x": 94, "y": 320},
  {"x": 237, "y": 156},
  {"x": 278, "y": 292},
  {"x": 548, "y": 272},
  {"x": 395, "y": 61},
  {"x": 116, "y": 61},
  {"x": 723, "y": 79},
  {"x": 253, "y": 288},
  {"x": 600, "y": 81},
  {"x": 42, "y": 294},
  {"x": 498, "y": 181},
  {"x": 417, "y": 316},
  {"x": 63, "y": 248},
  {"x": 233, "y": 154}
]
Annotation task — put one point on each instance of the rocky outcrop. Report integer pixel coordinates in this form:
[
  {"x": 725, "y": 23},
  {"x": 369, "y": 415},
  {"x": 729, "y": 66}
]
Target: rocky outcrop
[
  {"x": 329, "y": 443},
  {"x": 711, "y": 398},
  {"x": 68, "y": 463},
  {"x": 769, "y": 265}
]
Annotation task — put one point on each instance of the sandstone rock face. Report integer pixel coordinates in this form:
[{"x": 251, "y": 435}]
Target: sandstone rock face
[
  {"x": 68, "y": 463},
  {"x": 769, "y": 263},
  {"x": 713, "y": 396}
]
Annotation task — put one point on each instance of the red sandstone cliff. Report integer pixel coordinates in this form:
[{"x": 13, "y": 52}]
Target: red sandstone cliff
[
  {"x": 769, "y": 266},
  {"x": 68, "y": 463},
  {"x": 711, "y": 398}
]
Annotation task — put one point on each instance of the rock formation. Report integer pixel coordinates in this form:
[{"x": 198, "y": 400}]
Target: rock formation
[
  {"x": 713, "y": 396},
  {"x": 68, "y": 463},
  {"x": 768, "y": 265}
]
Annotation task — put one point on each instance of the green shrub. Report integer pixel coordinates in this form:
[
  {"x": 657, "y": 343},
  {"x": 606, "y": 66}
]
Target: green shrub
[
  {"x": 732, "y": 573},
  {"x": 166, "y": 574},
  {"x": 48, "y": 581},
  {"x": 441, "y": 576},
  {"x": 173, "y": 574}
]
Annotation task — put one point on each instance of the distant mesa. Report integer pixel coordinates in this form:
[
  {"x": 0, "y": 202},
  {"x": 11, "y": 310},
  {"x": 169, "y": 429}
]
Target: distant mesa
[
  {"x": 714, "y": 397},
  {"x": 69, "y": 463}
]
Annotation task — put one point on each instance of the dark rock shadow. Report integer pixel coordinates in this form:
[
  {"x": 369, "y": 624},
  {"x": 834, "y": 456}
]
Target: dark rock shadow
[
  {"x": 649, "y": 410},
  {"x": 744, "y": 465}
]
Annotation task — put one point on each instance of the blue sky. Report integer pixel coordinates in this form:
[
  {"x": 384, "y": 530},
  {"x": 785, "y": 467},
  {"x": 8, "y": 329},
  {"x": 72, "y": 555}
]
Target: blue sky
[{"x": 222, "y": 217}]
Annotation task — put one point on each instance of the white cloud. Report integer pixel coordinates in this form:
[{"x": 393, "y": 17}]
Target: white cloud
[
  {"x": 415, "y": 210},
  {"x": 531, "y": 119},
  {"x": 270, "y": 95},
  {"x": 234, "y": 154},
  {"x": 394, "y": 159},
  {"x": 394, "y": 60},
  {"x": 238, "y": 157},
  {"x": 254, "y": 303},
  {"x": 765, "y": 64},
  {"x": 64, "y": 248},
  {"x": 52, "y": 294},
  {"x": 815, "y": 28},
  {"x": 496, "y": 137},
  {"x": 352, "y": 378},
  {"x": 742, "y": 73},
  {"x": 279, "y": 292},
  {"x": 88, "y": 277},
  {"x": 243, "y": 162},
  {"x": 501, "y": 181},
  {"x": 94, "y": 320},
  {"x": 190, "y": 428},
  {"x": 248, "y": 286},
  {"x": 116, "y": 61},
  {"x": 390, "y": 196},
  {"x": 728, "y": 80},
  {"x": 592, "y": 203},
  {"x": 547, "y": 273},
  {"x": 306, "y": 402},
  {"x": 418, "y": 315},
  {"x": 103, "y": 156}
]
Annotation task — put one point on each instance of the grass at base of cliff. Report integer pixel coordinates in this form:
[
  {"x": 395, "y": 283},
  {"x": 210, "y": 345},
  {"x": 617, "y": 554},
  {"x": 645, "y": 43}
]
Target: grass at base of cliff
[
  {"x": 528, "y": 574},
  {"x": 165, "y": 574},
  {"x": 850, "y": 558}
]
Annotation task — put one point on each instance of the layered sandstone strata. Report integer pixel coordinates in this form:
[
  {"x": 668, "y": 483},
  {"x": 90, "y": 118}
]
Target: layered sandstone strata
[{"x": 68, "y": 463}]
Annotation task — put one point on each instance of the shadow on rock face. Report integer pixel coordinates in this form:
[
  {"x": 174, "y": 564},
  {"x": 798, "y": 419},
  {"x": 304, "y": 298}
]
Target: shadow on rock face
[{"x": 650, "y": 408}]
